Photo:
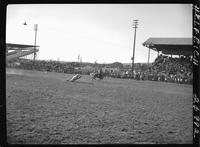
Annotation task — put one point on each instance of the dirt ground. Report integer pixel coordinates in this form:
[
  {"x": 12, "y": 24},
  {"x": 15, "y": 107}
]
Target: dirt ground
[{"x": 43, "y": 108}]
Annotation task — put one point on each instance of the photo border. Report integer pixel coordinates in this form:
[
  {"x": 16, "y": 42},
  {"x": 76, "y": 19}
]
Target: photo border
[{"x": 196, "y": 49}]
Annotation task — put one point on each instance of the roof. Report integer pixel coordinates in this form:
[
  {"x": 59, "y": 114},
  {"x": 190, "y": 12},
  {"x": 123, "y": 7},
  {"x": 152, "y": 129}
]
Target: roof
[
  {"x": 175, "y": 46},
  {"x": 12, "y": 45},
  {"x": 168, "y": 41}
]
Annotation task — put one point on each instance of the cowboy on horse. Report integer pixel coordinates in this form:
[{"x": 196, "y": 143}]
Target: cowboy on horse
[{"x": 98, "y": 74}]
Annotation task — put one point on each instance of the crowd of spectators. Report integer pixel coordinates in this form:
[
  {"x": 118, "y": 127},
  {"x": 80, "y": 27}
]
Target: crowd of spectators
[
  {"x": 44, "y": 65},
  {"x": 164, "y": 68},
  {"x": 168, "y": 69}
]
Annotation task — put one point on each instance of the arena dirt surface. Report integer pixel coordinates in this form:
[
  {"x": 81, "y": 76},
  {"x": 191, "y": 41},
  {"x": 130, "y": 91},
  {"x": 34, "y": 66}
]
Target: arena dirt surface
[{"x": 42, "y": 108}]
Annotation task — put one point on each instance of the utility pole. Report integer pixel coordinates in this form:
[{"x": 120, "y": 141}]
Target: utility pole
[
  {"x": 135, "y": 24},
  {"x": 78, "y": 57},
  {"x": 81, "y": 60},
  {"x": 35, "y": 29}
]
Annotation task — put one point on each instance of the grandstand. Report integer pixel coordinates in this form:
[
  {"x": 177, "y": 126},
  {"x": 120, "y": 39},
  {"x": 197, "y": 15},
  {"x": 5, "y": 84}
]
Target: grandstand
[
  {"x": 177, "y": 69},
  {"x": 170, "y": 46},
  {"x": 16, "y": 51}
]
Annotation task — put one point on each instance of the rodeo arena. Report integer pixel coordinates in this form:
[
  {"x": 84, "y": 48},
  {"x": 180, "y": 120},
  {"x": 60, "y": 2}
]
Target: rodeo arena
[
  {"x": 58, "y": 102},
  {"x": 164, "y": 68}
]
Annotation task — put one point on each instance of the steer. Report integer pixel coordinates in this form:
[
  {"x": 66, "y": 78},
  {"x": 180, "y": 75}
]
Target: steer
[{"x": 74, "y": 78}]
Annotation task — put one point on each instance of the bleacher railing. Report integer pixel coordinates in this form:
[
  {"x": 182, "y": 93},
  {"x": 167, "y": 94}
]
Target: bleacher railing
[{"x": 19, "y": 54}]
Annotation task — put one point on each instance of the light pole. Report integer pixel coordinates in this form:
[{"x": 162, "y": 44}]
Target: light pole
[
  {"x": 35, "y": 29},
  {"x": 78, "y": 57},
  {"x": 135, "y": 24}
]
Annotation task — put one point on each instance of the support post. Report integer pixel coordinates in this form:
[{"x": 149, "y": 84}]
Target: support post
[
  {"x": 35, "y": 29},
  {"x": 148, "y": 57}
]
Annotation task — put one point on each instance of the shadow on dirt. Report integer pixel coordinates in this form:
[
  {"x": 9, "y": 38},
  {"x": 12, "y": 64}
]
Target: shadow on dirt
[{"x": 81, "y": 82}]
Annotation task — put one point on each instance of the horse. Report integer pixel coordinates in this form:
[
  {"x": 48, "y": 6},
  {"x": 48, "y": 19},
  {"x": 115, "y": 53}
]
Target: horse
[{"x": 95, "y": 75}]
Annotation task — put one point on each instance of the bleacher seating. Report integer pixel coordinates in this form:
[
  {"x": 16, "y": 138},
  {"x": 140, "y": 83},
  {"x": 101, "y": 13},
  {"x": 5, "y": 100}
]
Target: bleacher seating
[
  {"x": 20, "y": 54},
  {"x": 170, "y": 69},
  {"x": 11, "y": 53}
]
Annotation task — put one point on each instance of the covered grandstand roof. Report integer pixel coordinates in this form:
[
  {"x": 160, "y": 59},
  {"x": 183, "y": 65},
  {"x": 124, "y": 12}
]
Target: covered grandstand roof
[
  {"x": 18, "y": 46},
  {"x": 15, "y": 51},
  {"x": 169, "y": 41},
  {"x": 174, "y": 46}
]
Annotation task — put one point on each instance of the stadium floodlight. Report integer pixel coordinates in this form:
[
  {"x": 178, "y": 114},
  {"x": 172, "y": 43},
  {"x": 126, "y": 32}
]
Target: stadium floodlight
[
  {"x": 25, "y": 23},
  {"x": 135, "y": 25},
  {"x": 35, "y": 29}
]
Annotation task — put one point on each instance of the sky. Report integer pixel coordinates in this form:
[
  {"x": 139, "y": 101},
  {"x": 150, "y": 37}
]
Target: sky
[{"x": 97, "y": 32}]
